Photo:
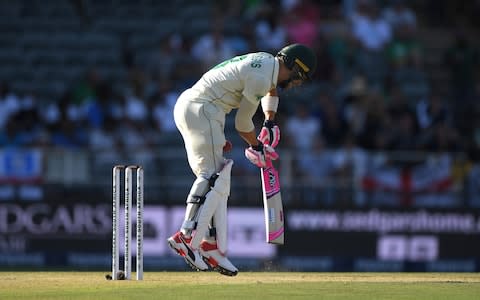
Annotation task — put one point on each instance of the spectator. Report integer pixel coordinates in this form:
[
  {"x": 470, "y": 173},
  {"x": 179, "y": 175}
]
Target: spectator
[
  {"x": 397, "y": 104},
  {"x": 69, "y": 135},
  {"x": 302, "y": 22},
  {"x": 349, "y": 163},
  {"x": 400, "y": 16},
  {"x": 316, "y": 170},
  {"x": 302, "y": 128},
  {"x": 10, "y": 136},
  {"x": 270, "y": 32},
  {"x": 137, "y": 80},
  {"x": 27, "y": 115},
  {"x": 443, "y": 139},
  {"x": 162, "y": 102},
  {"x": 98, "y": 109},
  {"x": 404, "y": 132},
  {"x": 55, "y": 110},
  {"x": 372, "y": 34},
  {"x": 349, "y": 8},
  {"x": 9, "y": 104},
  {"x": 243, "y": 39},
  {"x": 135, "y": 106},
  {"x": 369, "y": 28},
  {"x": 163, "y": 60},
  {"x": 431, "y": 110},
  {"x": 405, "y": 49},
  {"x": 228, "y": 9},
  {"x": 412, "y": 80},
  {"x": 410, "y": 117},
  {"x": 342, "y": 51},
  {"x": 326, "y": 69},
  {"x": 23, "y": 125},
  {"x": 375, "y": 130},
  {"x": 315, "y": 164},
  {"x": 213, "y": 47},
  {"x": 85, "y": 88},
  {"x": 353, "y": 105},
  {"x": 104, "y": 142},
  {"x": 333, "y": 125},
  {"x": 403, "y": 129},
  {"x": 186, "y": 72},
  {"x": 136, "y": 141}
]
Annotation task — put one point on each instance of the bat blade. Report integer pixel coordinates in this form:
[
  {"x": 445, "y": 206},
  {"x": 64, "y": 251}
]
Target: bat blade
[{"x": 272, "y": 204}]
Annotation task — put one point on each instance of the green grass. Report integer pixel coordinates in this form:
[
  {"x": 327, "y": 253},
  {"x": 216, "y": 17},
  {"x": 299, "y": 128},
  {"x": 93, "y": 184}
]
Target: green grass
[{"x": 246, "y": 285}]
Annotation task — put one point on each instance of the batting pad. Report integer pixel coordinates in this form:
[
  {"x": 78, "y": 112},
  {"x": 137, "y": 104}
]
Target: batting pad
[{"x": 217, "y": 194}]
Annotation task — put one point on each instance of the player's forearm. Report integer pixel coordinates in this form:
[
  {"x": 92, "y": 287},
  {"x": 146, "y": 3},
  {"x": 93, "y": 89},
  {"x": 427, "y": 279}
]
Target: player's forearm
[
  {"x": 269, "y": 115},
  {"x": 249, "y": 137}
]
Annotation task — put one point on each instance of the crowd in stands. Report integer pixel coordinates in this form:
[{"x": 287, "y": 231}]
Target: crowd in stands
[{"x": 371, "y": 89}]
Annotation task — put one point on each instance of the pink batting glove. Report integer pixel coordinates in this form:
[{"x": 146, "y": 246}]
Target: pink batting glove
[
  {"x": 269, "y": 134},
  {"x": 258, "y": 155}
]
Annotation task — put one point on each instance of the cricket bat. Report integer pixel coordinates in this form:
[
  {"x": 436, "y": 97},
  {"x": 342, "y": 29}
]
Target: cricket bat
[{"x": 272, "y": 205}]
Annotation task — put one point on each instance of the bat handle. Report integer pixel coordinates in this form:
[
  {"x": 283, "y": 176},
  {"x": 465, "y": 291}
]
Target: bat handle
[{"x": 268, "y": 163}]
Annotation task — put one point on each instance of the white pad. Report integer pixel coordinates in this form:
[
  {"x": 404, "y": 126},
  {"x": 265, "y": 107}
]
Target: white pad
[
  {"x": 220, "y": 221},
  {"x": 217, "y": 194},
  {"x": 199, "y": 188}
]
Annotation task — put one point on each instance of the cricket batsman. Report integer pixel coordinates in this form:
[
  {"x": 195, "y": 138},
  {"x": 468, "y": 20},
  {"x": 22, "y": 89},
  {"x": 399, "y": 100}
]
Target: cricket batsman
[{"x": 240, "y": 83}]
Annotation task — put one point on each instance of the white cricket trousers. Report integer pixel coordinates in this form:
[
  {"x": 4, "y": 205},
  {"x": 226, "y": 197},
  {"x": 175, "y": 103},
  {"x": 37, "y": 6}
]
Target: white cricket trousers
[{"x": 201, "y": 124}]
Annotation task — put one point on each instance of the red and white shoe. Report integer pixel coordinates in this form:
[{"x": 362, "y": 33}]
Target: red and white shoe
[
  {"x": 217, "y": 260},
  {"x": 181, "y": 245}
]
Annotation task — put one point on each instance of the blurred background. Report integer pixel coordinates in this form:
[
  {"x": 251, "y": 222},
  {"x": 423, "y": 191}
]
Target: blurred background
[{"x": 384, "y": 177}]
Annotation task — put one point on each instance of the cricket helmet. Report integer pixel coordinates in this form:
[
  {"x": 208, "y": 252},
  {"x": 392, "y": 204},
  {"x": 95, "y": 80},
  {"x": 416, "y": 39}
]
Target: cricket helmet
[{"x": 301, "y": 57}]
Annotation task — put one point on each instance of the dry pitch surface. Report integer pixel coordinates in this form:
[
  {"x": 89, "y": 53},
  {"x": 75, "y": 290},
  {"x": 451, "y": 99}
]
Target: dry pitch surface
[{"x": 246, "y": 285}]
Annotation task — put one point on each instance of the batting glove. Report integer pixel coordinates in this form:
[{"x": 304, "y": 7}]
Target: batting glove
[
  {"x": 258, "y": 155},
  {"x": 270, "y": 133}
]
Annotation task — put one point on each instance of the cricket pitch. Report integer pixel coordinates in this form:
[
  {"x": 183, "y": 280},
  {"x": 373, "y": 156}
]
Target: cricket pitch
[{"x": 246, "y": 285}]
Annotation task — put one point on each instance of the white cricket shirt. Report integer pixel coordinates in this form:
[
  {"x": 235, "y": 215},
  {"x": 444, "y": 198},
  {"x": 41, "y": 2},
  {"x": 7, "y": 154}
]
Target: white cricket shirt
[{"x": 250, "y": 76}]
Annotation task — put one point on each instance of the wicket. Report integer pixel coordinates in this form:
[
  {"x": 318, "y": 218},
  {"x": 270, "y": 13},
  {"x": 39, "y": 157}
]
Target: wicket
[{"x": 128, "y": 221}]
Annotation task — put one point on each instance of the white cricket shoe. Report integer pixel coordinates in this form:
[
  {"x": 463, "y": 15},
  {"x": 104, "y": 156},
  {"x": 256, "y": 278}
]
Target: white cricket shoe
[
  {"x": 180, "y": 244},
  {"x": 217, "y": 260}
]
